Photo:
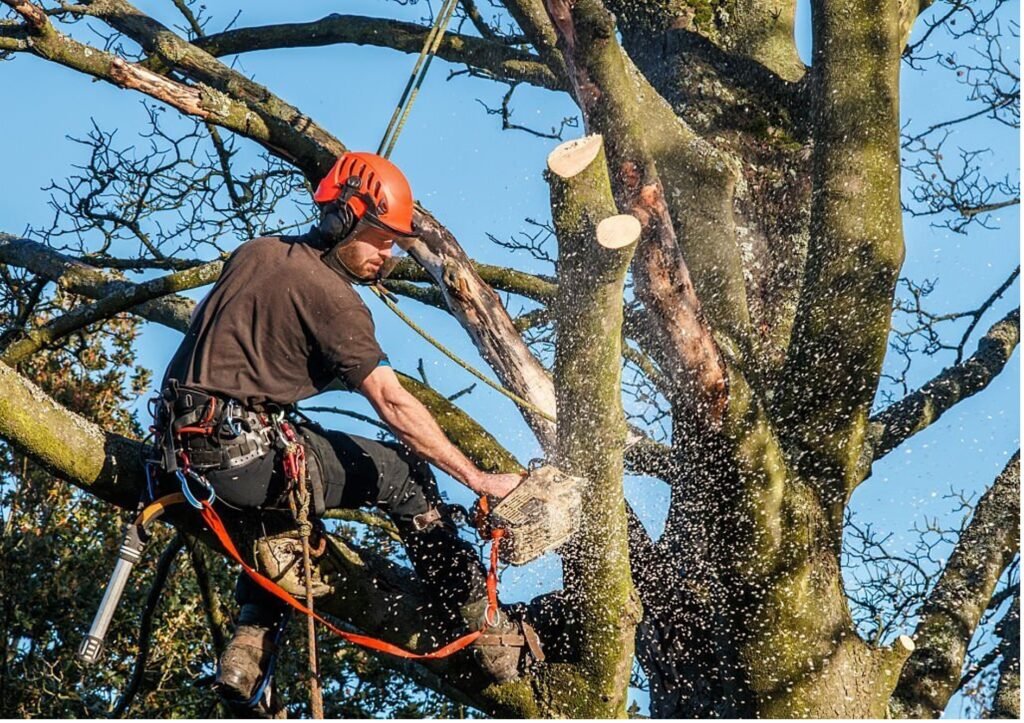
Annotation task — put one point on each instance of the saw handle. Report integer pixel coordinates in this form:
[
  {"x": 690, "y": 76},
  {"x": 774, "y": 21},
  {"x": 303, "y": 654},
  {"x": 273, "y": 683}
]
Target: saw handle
[{"x": 130, "y": 553}]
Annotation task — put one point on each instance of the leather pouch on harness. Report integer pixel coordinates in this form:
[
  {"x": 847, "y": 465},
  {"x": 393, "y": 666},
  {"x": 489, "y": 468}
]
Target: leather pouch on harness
[{"x": 279, "y": 557}]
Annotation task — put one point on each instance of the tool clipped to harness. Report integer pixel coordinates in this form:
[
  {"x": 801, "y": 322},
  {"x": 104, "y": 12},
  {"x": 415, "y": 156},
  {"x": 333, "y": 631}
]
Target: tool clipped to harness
[
  {"x": 538, "y": 516},
  {"x": 136, "y": 535}
]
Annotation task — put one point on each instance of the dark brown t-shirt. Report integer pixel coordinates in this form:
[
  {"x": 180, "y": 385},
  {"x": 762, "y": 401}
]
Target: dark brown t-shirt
[{"x": 278, "y": 326}]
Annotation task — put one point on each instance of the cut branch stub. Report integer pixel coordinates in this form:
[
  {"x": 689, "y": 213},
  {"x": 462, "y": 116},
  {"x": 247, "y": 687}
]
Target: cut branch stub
[
  {"x": 573, "y": 157},
  {"x": 618, "y": 232}
]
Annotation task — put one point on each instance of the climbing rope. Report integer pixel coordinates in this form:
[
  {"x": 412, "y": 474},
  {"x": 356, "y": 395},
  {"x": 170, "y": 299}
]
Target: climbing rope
[
  {"x": 419, "y": 72},
  {"x": 387, "y": 144},
  {"x": 294, "y": 463},
  {"x": 388, "y": 300}
]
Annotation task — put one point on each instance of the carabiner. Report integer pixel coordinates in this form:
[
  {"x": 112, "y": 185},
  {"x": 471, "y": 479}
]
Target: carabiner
[{"x": 187, "y": 491}]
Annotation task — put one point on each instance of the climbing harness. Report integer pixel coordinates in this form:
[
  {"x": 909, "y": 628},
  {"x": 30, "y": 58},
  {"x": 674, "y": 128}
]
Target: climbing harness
[
  {"x": 197, "y": 492},
  {"x": 430, "y": 45},
  {"x": 390, "y": 301}
]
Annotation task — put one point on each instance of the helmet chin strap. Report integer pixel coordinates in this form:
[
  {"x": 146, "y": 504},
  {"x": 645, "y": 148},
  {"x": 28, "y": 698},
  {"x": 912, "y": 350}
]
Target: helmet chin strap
[{"x": 332, "y": 258}]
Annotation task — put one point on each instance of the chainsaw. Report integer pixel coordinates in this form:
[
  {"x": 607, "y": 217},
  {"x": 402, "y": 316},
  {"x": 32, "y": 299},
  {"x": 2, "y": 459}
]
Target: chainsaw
[{"x": 538, "y": 516}]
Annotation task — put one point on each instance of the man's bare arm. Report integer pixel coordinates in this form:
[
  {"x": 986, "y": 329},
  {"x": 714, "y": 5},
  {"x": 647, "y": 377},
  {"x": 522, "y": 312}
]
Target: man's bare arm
[{"x": 413, "y": 424}]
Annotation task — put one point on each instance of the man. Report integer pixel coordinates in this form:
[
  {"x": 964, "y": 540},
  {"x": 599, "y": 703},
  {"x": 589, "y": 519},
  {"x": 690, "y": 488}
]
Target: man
[{"x": 282, "y": 324}]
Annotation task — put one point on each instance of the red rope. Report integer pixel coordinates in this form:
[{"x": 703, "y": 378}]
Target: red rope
[{"x": 216, "y": 525}]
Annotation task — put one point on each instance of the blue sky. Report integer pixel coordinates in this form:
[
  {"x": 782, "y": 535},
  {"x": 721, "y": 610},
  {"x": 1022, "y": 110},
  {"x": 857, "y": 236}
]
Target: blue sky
[{"x": 480, "y": 180}]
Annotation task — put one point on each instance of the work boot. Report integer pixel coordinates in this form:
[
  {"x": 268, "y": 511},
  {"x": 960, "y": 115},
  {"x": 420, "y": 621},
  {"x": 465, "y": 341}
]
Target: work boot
[
  {"x": 244, "y": 663},
  {"x": 507, "y": 647}
]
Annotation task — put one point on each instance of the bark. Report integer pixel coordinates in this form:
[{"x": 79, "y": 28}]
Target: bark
[
  {"x": 762, "y": 30},
  {"x": 1007, "y": 699},
  {"x": 955, "y": 605},
  {"x": 590, "y": 439},
  {"x": 919, "y": 410},
  {"x": 856, "y": 247}
]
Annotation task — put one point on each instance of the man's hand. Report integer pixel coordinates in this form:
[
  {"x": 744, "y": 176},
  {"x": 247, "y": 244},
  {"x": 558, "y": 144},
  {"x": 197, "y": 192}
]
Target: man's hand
[{"x": 497, "y": 485}]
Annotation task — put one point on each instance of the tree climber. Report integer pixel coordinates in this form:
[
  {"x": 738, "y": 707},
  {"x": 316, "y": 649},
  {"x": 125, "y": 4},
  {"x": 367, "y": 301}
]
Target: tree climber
[{"x": 284, "y": 322}]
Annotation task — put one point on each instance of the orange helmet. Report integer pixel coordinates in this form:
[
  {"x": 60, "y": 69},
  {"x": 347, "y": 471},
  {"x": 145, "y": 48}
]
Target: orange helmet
[{"x": 373, "y": 188}]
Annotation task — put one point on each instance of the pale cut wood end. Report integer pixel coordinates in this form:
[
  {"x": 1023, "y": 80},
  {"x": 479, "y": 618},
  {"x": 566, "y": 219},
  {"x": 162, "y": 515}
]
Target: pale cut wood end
[
  {"x": 618, "y": 232},
  {"x": 573, "y": 157}
]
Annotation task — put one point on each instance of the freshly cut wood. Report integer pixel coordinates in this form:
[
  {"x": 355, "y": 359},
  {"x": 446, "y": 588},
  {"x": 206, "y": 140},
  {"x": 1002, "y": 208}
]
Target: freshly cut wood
[
  {"x": 618, "y": 232},
  {"x": 573, "y": 157}
]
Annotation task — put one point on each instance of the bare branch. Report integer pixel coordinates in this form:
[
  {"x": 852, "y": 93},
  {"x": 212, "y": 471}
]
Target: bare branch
[
  {"x": 910, "y": 415},
  {"x": 79, "y": 278},
  {"x": 538, "y": 288},
  {"x": 129, "y": 296},
  {"x": 954, "y": 608},
  {"x": 488, "y": 54}
]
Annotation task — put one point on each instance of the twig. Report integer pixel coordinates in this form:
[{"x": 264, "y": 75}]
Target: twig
[{"x": 348, "y": 413}]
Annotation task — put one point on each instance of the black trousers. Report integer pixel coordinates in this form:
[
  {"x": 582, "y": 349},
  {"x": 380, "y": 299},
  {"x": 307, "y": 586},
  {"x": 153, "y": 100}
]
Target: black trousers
[{"x": 361, "y": 472}]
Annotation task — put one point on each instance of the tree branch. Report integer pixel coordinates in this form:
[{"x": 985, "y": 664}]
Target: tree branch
[
  {"x": 917, "y": 411},
  {"x": 596, "y": 246},
  {"x": 494, "y": 57},
  {"x": 909, "y": 12},
  {"x": 954, "y": 608},
  {"x": 79, "y": 278},
  {"x": 1007, "y": 698},
  {"x": 839, "y": 336},
  {"x": 501, "y": 278},
  {"x": 208, "y": 592},
  {"x": 276, "y": 125},
  {"x": 533, "y": 20},
  {"x": 127, "y": 297}
]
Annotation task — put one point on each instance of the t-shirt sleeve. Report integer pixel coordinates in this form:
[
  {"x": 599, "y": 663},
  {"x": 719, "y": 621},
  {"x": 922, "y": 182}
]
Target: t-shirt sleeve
[{"x": 343, "y": 330}]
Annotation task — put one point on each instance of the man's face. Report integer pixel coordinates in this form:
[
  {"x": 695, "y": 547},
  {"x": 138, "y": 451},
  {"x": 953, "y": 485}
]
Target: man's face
[{"x": 366, "y": 251}]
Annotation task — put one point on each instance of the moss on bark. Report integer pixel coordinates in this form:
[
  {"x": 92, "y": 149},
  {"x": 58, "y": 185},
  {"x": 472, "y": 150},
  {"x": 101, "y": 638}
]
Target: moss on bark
[{"x": 591, "y": 436}]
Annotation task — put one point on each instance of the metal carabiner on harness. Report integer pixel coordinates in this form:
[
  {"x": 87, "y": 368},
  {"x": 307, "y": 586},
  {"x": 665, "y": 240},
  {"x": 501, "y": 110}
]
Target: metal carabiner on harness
[{"x": 187, "y": 491}]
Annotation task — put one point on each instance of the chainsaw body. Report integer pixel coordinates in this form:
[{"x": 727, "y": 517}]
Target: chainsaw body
[{"x": 538, "y": 516}]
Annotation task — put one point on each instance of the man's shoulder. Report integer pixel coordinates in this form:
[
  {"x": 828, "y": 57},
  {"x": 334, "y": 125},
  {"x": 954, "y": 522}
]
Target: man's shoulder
[
  {"x": 264, "y": 246},
  {"x": 279, "y": 254}
]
